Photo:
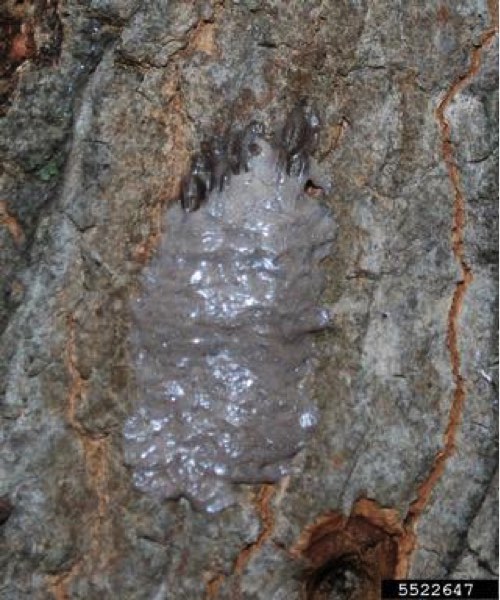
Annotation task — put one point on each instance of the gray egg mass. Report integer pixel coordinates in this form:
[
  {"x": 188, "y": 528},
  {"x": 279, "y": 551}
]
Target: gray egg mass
[{"x": 221, "y": 338}]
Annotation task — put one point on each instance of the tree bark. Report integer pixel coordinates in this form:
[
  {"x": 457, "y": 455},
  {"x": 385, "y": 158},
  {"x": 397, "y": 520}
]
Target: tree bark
[{"x": 102, "y": 105}]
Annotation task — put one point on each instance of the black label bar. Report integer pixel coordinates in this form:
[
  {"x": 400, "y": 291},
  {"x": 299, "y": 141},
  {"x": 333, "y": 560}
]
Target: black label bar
[{"x": 440, "y": 589}]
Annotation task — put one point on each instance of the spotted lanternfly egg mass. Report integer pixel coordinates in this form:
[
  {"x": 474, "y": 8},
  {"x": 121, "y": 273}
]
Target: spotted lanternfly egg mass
[{"x": 222, "y": 337}]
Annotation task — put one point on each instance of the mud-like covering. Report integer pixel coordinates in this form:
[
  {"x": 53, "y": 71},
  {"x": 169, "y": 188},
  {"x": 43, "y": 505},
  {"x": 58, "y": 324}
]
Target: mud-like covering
[{"x": 222, "y": 338}]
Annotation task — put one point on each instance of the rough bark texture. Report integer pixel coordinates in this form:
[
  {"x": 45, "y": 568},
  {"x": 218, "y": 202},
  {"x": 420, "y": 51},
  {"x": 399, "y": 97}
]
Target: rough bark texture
[{"x": 102, "y": 103}]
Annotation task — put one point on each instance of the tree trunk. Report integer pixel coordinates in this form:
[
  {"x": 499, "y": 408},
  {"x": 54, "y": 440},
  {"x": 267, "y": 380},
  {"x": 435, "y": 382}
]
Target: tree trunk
[{"x": 103, "y": 104}]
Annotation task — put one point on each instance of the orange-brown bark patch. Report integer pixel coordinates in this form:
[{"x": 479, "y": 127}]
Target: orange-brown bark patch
[
  {"x": 365, "y": 543},
  {"x": 11, "y": 224},
  {"x": 95, "y": 452},
  {"x": 409, "y": 540},
  {"x": 263, "y": 503}
]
